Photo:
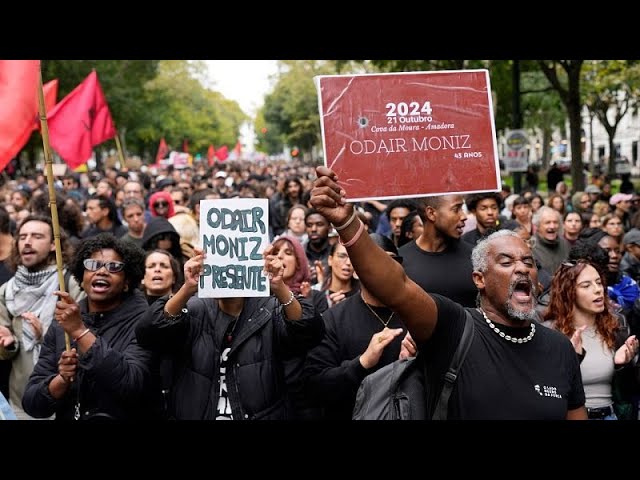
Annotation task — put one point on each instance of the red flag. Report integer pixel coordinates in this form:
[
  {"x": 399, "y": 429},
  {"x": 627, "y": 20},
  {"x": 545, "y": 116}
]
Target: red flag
[
  {"x": 80, "y": 121},
  {"x": 50, "y": 90},
  {"x": 237, "y": 149},
  {"x": 211, "y": 155},
  {"x": 222, "y": 153},
  {"x": 163, "y": 151},
  {"x": 18, "y": 97}
]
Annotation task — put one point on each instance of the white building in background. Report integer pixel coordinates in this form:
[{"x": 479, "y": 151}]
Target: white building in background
[{"x": 625, "y": 142}]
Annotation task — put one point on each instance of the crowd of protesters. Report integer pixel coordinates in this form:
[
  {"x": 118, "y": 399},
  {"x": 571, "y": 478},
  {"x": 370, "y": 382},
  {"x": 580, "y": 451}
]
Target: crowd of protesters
[{"x": 144, "y": 346}]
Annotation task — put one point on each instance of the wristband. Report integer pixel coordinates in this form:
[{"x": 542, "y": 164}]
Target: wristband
[
  {"x": 355, "y": 238},
  {"x": 82, "y": 335},
  {"x": 347, "y": 223}
]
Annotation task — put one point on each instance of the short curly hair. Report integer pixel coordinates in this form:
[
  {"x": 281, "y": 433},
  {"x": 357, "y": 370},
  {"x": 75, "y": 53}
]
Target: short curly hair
[{"x": 132, "y": 256}]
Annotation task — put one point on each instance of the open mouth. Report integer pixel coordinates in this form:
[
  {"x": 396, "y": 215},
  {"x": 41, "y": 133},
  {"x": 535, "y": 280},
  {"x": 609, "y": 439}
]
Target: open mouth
[
  {"x": 100, "y": 286},
  {"x": 522, "y": 291}
]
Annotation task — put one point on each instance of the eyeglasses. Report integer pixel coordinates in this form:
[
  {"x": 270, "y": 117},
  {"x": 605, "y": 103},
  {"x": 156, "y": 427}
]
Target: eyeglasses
[
  {"x": 95, "y": 265},
  {"x": 342, "y": 256},
  {"x": 160, "y": 204}
]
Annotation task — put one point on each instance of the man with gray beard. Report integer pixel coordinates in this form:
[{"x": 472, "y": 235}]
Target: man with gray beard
[
  {"x": 550, "y": 248},
  {"x": 513, "y": 369}
]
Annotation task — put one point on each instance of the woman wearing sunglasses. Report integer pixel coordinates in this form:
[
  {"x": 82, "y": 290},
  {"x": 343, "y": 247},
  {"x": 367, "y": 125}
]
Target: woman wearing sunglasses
[
  {"x": 106, "y": 375},
  {"x": 161, "y": 205}
]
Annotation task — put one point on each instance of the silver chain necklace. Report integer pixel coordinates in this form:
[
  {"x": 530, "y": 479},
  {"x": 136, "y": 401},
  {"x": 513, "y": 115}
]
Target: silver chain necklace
[{"x": 509, "y": 338}]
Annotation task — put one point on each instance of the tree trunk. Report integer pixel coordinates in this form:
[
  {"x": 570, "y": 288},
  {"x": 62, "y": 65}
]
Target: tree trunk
[
  {"x": 575, "y": 121},
  {"x": 546, "y": 139},
  {"x": 591, "y": 166}
]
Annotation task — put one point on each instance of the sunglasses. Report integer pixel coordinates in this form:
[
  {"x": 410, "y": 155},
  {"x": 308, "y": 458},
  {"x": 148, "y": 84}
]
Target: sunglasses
[
  {"x": 95, "y": 265},
  {"x": 160, "y": 204}
]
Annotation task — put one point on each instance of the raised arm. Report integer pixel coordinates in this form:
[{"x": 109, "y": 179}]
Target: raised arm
[{"x": 381, "y": 275}]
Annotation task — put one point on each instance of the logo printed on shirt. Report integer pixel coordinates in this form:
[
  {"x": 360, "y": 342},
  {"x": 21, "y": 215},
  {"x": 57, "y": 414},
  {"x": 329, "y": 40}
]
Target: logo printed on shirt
[{"x": 546, "y": 391}]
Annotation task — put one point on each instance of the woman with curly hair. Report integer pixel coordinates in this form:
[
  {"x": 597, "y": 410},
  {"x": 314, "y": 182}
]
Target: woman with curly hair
[
  {"x": 579, "y": 308},
  {"x": 106, "y": 374}
]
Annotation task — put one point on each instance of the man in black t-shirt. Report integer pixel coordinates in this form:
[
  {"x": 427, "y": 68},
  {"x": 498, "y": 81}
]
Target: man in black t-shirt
[
  {"x": 513, "y": 370},
  {"x": 438, "y": 260}
]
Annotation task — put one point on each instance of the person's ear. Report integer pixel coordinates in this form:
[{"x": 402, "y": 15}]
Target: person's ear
[{"x": 478, "y": 279}]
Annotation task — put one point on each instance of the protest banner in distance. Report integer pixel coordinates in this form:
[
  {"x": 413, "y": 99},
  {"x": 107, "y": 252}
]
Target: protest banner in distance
[
  {"x": 234, "y": 233},
  {"x": 413, "y": 134}
]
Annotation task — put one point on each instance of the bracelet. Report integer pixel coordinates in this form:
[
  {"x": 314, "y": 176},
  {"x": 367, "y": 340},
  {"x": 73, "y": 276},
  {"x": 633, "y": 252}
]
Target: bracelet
[
  {"x": 82, "y": 335},
  {"x": 290, "y": 300},
  {"x": 347, "y": 223},
  {"x": 355, "y": 238},
  {"x": 168, "y": 316}
]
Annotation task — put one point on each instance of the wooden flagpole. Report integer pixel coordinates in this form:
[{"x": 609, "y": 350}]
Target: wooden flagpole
[
  {"x": 44, "y": 127},
  {"x": 122, "y": 162}
]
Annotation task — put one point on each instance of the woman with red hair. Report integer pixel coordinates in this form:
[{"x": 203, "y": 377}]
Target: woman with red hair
[
  {"x": 580, "y": 308},
  {"x": 161, "y": 205}
]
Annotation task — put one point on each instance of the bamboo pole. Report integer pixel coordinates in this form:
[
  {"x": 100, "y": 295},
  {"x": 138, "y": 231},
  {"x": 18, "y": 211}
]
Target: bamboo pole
[
  {"x": 44, "y": 126},
  {"x": 120, "y": 153}
]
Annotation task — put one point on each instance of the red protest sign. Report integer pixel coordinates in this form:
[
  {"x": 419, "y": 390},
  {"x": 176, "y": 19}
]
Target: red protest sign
[{"x": 409, "y": 134}]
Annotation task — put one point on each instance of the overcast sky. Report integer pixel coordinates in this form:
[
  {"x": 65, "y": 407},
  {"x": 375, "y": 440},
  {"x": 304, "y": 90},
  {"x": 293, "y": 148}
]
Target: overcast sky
[{"x": 245, "y": 81}]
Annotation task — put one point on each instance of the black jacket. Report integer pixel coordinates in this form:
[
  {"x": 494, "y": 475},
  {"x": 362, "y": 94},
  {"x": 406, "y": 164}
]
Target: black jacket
[
  {"x": 255, "y": 378},
  {"x": 116, "y": 376}
]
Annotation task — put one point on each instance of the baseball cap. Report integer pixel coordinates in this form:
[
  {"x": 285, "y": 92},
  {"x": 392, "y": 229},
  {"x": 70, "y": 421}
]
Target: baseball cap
[
  {"x": 620, "y": 197},
  {"x": 221, "y": 174},
  {"x": 592, "y": 189},
  {"x": 632, "y": 236}
]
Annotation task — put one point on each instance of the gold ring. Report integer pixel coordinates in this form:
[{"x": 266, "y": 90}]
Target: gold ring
[{"x": 380, "y": 339}]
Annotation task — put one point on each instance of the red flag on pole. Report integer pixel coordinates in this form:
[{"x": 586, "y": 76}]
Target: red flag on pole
[
  {"x": 237, "y": 149},
  {"x": 163, "y": 151},
  {"x": 223, "y": 153},
  {"x": 80, "y": 121},
  {"x": 211, "y": 155},
  {"x": 18, "y": 98}
]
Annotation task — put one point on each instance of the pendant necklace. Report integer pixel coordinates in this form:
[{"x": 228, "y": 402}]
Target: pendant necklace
[{"x": 378, "y": 316}]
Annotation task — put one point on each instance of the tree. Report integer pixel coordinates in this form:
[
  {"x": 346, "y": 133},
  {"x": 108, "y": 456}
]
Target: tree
[
  {"x": 181, "y": 107},
  {"x": 290, "y": 111},
  {"x": 564, "y": 76},
  {"x": 611, "y": 89},
  {"x": 541, "y": 106}
]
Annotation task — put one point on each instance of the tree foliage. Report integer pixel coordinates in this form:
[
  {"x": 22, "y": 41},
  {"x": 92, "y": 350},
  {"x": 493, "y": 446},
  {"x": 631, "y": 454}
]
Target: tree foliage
[
  {"x": 180, "y": 108},
  {"x": 151, "y": 99},
  {"x": 290, "y": 111},
  {"x": 610, "y": 90}
]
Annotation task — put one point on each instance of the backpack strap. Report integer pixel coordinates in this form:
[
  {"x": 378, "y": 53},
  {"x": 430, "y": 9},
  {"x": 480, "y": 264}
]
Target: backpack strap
[{"x": 442, "y": 407}]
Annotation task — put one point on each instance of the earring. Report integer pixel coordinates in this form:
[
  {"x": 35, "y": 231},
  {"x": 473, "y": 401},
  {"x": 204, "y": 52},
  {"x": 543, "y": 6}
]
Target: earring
[{"x": 126, "y": 288}]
